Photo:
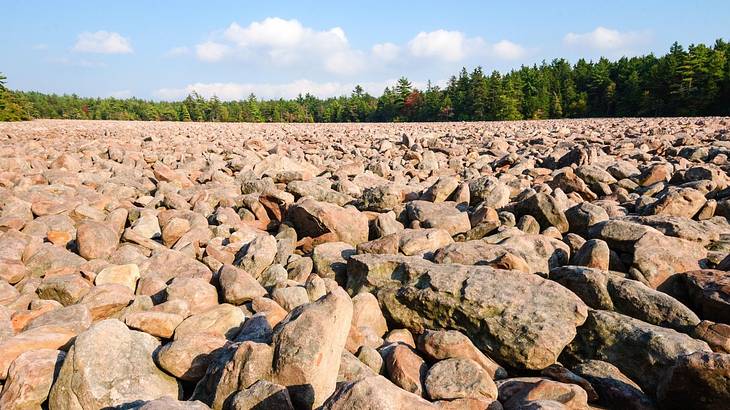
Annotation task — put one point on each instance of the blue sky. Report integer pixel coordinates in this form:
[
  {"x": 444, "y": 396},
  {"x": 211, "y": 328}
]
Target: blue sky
[{"x": 165, "y": 49}]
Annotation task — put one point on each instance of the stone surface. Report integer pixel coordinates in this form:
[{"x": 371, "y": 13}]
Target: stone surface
[
  {"x": 698, "y": 380},
  {"x": 416, "y": 293},
  {"x": 613, "y": 387},
  {"x": 308, "y": 345},
  {"x": 30, "y": 378},
  {"x": 640, "y": 350},
  {"x": 459, "y": 378},
  {"x": 110, "y": 365},
  {"x": 481, "y": 242},
  {"x": 373, "y": 393}
]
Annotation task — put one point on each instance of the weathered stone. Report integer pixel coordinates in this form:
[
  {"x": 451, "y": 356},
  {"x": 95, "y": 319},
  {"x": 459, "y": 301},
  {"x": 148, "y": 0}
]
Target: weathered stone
[
  {"x": 415, "y": 293},
  {"x": 449, "y": 344},
  {"x": 238, "y": 286},
  {"x": 65, "y": 289},
  {"x": 640, "y": 350},
  {"x": 373, "y": 393},
  {"x": 443, "y": 215},
  {"x": 610, "y": 291},
  {"x": 200, "y": 295},
  {"x": 30, "y": 378},
  {"x": 534, "y": 392},
  {"x": 459, "y": 378},
  {"x": 546, "y": 211},
  {"x": 330, "y": 259},
  {"x": 708, "y": 293},
  {"x": 405, "y": 368},
  {"x": 223, "y": 320},
  {"x": 613, "y": 387},
  {"x": 187, "y": 358},
  {"x": 258, "y": 255},
  {"x": 126, "y": 275},
  {"x": 158, "y": 324},
  {"x": 698, "y": 380},
  {"x": 308, "y": 345},
  {"x": 110, "y": 365},
  {"x": 313, "y": 219},
  {"x": 95, "y": 240},
  {"x": 262, "y": 395}
]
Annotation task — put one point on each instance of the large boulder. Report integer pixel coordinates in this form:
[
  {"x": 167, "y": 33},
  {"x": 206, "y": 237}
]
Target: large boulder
[
  {"x": 30, "y": 378},
  {"x": 521, "y": 319},
  {"x": 375, "y": 393},
  {"x": 606, "y": 290},
  {"x": 640, "y": 350},
  {"x": 545, "y": 209},
  {"x": 96, "y": 240},
  {"x": 613, "y": 387},
  {"x": 459, "y": 378},
  {"x": 442, "y": 215},
  {"x": 700, "y": 380},
  {"x": 314, "y": 219},
  {"x": 708, "y": 293},
  {"x": 308, "y": 346},
  {"x": 110, "y": 365},
  {"x": 658, "y": 257}
]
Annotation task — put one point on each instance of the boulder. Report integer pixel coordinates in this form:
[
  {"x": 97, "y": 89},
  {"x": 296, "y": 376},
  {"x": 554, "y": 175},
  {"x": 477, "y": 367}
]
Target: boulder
[
  {"x": 415, "y": 293},
  {"x": 308, "y": 345},
  {"x": 30, "y": 378},
  {"x": 110, "y": 365},
  {"x": 699, "y": 381},
  {"x": 313, "y": 219},
  {"x": 459, "y": 378},
  {"x": 640, "y": 350},
  {"x": 374, "y": 393}
]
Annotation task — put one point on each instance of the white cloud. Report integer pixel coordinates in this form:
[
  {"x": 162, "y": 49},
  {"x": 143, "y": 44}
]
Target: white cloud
[
  {"x": 345, "y": 62},
  {"x": 103, "y": 42},
  {"x": 237, "y": 91},
  {"x": 290, "y": 47},
  {"x": 508, "y": 50},
  {"x": 445, "y": 45},
  {"x": 603, "y": 38},
  {"x": 386, "y": 51},
  {"x": 177, "y": 51},
  {"x": 211, "y": 51},
  {"x": 282, "y": 42}
]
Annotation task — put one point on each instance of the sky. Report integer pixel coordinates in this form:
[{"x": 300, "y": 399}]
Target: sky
[{"x": 163, "y": 50}]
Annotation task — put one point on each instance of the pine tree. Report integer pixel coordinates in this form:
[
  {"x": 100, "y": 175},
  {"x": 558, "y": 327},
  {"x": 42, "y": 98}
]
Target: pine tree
[{"x": 184, "y": 113}]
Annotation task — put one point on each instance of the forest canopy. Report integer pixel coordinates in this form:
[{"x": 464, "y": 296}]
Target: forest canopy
[{"x": 683, "y": 82}]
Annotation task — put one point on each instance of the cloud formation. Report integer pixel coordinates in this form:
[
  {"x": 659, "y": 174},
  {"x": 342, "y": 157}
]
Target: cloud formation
[
  {"x": 238, "y": 91},
  {"x": 276, "y": 42},
  {"x": 606, "y": 39},
  {"x": 445, "y": 45},
  {"x": 102, "y": 42}
]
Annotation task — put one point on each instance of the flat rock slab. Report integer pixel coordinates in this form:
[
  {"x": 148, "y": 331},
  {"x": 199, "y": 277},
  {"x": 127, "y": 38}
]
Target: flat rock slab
[{"x": 521, "y": 319}]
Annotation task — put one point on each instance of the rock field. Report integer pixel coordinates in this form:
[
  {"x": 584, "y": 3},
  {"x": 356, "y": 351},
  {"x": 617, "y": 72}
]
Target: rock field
[{"x": 571, "y": 264}]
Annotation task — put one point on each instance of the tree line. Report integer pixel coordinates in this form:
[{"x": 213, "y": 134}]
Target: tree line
[{"x": 683, "y": 82}]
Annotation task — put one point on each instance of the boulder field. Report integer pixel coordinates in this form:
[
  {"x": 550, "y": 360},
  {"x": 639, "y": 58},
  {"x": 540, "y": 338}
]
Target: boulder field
[{"x": 571, "y": 264}]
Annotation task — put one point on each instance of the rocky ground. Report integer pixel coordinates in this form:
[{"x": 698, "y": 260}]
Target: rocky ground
[{"x": 525, "y": 265}]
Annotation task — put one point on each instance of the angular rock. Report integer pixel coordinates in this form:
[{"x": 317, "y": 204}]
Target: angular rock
[
  {"x": 640, "y": 350},
  {"x": 313, "y": 219},
  {"x": 308, "y": 345},
  {"x": 698, "y": 380},
  {"x": 238, "y": 286},
  {"x": 478, "y": 299},
  {"x": 110, "y": 365},
  {"x": 30, "y": 378}
]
